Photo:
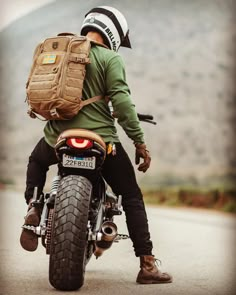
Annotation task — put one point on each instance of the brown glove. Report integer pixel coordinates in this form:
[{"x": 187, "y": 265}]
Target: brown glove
[{"x": 142, "y": 152}]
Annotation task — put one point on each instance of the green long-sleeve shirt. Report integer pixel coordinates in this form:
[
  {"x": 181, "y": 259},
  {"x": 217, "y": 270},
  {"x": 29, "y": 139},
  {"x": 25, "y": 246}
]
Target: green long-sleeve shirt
[{"x": 104, "y": 76}]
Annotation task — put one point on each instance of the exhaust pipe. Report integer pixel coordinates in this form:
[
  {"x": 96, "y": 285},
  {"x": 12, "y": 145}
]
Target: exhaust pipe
[{"x": 108, "y": 234}]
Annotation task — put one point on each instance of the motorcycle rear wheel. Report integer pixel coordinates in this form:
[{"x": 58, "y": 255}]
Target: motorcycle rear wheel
[{"x": 69, "y": 233}]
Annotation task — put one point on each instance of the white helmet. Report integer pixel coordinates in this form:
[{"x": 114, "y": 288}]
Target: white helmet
[{"x": 111, "y": 23}]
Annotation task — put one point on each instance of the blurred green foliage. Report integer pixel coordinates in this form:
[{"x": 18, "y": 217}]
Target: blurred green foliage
[{"x": 220, "y": 199}]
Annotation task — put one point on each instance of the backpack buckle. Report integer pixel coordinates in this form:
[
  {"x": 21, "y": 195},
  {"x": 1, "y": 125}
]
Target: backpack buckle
[
  {"x": 54, "y": 113},
  {"x": 31, "y": 113}
]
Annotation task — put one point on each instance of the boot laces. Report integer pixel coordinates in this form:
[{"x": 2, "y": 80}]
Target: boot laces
[{"x": 158, "y": 262}]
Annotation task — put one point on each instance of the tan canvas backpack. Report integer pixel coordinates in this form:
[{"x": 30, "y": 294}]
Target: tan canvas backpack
[{"x": 54, "y": 87}]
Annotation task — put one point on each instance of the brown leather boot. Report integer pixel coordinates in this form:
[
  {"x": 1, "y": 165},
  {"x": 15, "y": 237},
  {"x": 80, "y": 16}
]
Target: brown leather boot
[
  {"x": 29, "y": 239},
  {"x": 149, "y": 273}
]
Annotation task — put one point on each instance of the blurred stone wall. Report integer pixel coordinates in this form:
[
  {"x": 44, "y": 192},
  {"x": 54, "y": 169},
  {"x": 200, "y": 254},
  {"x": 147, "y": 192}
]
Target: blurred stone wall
[{"x": 182, "y": 69}]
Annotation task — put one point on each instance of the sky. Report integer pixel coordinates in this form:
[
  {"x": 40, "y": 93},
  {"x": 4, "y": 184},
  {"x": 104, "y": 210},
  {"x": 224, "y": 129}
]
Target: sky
[{"x": 14, "y": 9}]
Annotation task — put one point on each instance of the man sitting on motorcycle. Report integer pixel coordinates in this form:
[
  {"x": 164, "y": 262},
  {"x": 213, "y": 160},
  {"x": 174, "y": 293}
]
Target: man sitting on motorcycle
[{"x": 105, "y": 75}]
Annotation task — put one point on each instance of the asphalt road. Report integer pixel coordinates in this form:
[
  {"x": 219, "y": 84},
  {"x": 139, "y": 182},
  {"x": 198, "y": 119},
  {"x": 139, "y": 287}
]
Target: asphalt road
[{"x": 196, "y": 247}]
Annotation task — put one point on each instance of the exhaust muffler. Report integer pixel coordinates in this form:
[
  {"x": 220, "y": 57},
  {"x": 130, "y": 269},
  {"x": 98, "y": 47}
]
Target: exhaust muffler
[{"x": 108, "y": 234}]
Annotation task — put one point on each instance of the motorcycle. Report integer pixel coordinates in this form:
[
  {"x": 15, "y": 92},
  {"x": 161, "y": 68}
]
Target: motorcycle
[{"x": 77, "y": 219}]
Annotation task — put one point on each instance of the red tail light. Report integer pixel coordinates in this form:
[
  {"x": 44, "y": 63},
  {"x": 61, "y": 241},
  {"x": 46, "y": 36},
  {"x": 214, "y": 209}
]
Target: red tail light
[{"x": 79, "y": 143}]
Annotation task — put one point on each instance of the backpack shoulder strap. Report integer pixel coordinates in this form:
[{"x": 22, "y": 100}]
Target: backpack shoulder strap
[
  {"x": 93, "y": 99},
  {"x": 90, "y": 100},
  {"x": 98, "y": 43}
]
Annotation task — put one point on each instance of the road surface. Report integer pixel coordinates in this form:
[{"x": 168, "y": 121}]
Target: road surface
[{"x": 196, "y": 247}]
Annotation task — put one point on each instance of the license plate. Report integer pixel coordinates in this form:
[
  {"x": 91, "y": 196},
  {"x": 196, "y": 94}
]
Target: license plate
[{"x": 78, "y": 162}]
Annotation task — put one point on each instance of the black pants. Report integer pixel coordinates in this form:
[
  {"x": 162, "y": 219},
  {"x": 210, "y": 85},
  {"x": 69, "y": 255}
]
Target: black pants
[{"x": 118, "y": 172}]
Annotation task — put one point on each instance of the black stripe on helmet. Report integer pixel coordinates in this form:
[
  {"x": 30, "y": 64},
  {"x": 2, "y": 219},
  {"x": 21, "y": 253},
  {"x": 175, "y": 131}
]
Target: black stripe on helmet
[{"x": 95, "y": 21}]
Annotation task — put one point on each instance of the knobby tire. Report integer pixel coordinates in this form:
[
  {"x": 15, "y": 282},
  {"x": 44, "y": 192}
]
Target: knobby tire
[{"x": 69, "y": 233}]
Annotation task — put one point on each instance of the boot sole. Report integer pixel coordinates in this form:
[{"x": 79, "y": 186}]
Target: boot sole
[
  {"x": 28, "y": 239},
  {"x": 154, "y": 282}
]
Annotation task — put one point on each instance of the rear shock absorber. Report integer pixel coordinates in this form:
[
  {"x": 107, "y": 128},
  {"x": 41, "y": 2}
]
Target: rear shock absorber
[
  {"x": 52, "y": 194},
  {"x": 49, "y": 212},
  {"x": 54, "y": 186}
]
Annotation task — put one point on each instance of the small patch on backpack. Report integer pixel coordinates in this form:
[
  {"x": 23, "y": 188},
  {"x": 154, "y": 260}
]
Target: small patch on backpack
[{"x": 49, "y": 59}]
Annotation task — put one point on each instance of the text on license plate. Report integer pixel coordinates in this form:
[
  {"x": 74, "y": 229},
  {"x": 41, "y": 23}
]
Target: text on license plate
[{"x": 78, "y": 162}]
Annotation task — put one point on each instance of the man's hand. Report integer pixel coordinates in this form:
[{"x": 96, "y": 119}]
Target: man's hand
[{"x": 142, "y": 152}]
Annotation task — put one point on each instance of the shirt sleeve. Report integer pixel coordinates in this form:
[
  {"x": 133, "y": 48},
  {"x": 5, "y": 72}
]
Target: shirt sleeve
[{"x": 118, "y": 92}]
